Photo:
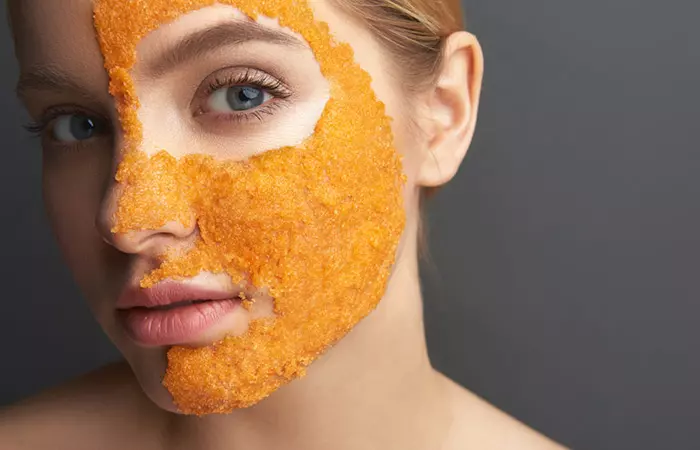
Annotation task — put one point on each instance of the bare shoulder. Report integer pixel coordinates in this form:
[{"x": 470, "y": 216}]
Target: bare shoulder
[
  {"x": 102, "y": 409},
  {"x": 479, "y": 424}
]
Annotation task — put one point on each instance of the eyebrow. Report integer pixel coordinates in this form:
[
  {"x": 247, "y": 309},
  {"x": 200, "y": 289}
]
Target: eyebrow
[
  {"x": 215, "y": 38},
  {"x": 192, "y": 46},
  {"x": 46, "y": 78}
]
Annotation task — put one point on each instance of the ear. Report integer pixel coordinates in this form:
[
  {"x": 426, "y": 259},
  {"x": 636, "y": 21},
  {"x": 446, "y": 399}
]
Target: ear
[{"x": 452, "y": 105}]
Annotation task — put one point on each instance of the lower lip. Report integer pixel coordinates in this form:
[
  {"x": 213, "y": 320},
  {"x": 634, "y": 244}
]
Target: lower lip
[{"x": 179, "y": 325}]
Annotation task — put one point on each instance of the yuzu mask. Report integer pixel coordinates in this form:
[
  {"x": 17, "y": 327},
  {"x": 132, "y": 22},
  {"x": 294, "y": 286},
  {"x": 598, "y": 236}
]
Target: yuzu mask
[{"x": 317, "y": 224}]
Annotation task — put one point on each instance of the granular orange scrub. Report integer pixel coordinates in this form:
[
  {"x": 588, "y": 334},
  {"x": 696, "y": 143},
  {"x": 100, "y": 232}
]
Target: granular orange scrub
[{"x": 317, "y": 224}]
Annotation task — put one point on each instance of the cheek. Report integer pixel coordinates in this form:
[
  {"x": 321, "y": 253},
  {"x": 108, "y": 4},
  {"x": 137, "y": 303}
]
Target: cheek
[
  {"x": 409, "y": 145},
  {"x": 73, "y": 183}
]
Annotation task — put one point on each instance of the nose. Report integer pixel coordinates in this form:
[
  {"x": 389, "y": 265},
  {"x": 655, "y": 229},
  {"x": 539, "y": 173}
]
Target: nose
[
  {"x": 150, "y": 241},
  {"x": 149, "y": 209}
]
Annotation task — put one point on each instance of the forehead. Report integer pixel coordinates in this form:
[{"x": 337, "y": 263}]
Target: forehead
[
  {"x": 62, "y": 31},
  {"x": 57, "y": 31}
]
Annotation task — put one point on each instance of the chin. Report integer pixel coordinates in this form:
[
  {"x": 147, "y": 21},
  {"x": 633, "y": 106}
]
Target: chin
[
  {"x": 148, "y": 367},
  {"x": 150, "y": 383}
]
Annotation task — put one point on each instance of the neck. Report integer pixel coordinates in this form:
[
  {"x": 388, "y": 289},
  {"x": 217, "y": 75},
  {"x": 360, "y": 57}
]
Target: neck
[{"x": 373, "y": 389}]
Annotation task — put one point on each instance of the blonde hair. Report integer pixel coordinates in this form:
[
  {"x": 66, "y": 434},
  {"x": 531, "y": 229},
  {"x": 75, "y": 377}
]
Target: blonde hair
[{"x": 413, "y": 32}]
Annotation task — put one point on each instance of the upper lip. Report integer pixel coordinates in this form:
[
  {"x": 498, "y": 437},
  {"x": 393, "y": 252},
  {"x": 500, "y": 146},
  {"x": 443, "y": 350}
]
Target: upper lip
[{"x": 168, "y": 293}]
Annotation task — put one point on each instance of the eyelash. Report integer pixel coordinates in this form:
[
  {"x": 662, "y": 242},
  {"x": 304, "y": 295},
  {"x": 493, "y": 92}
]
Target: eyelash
[{"x": 250, "y": 77}]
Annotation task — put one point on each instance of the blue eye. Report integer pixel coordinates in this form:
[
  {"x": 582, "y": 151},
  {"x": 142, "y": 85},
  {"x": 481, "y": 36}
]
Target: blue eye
[
  {"x": 237, "y": 98},
  {"x": 73, "y": 127}
]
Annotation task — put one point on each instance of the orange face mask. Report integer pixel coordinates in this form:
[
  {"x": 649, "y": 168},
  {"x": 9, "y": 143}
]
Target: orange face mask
[{"x": 317, "y": 224}]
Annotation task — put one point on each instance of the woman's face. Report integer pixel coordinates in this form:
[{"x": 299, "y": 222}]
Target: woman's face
[{"x": 211, "y": 83}]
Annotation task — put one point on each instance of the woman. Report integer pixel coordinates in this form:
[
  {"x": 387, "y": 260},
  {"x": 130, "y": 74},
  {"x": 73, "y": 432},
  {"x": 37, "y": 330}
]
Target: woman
[{"x": 236, "y": 187}]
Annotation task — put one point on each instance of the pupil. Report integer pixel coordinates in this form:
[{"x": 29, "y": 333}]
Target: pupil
[
  {"x": 81, "y": 127},
  {"x": 244, "y": 97}
]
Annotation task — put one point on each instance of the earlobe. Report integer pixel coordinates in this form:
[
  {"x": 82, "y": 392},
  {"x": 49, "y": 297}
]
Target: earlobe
[{"x": 452, "y": 109}]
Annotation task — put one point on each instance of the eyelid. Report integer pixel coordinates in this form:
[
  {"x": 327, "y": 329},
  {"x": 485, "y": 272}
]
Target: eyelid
[
  {"x": 51, "y": 114},
  {"x": 54, "y": 112}
]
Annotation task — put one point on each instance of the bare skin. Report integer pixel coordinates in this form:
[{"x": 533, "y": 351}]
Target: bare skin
[
  {"x": 376, "y": 388},
  {"x": 106, "y": 409}
]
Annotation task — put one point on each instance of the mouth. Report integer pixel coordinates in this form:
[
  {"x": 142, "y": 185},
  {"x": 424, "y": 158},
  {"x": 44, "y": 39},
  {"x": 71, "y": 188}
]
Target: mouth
[
  {"x": 176, "y": 305},
  {"x": 173, "y": 313}
]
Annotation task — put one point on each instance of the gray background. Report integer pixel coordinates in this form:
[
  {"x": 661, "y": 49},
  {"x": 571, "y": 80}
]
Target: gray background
[{"x": 563, "y": 284}]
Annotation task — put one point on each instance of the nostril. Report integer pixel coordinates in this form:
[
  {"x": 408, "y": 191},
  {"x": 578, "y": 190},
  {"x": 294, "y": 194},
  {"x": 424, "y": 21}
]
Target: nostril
[{"x": 130, "y": 242}]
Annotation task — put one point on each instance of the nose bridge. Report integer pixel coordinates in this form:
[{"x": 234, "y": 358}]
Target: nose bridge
[{"x": 160, "y": 125}]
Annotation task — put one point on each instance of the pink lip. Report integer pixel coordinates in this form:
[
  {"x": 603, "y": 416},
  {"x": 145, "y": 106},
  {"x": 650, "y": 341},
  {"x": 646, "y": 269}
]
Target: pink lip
[
  {"x": 165, "y": 314},
  {"x": 167, "y": 293}
]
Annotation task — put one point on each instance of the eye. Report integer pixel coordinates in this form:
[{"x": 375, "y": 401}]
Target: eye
[
  {"x": 237, "y": 98},
  {"x": 74, "y": 127}
]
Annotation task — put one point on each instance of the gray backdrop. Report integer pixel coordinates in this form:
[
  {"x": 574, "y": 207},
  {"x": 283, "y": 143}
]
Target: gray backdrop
[{"x": 565, "y": 254}]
